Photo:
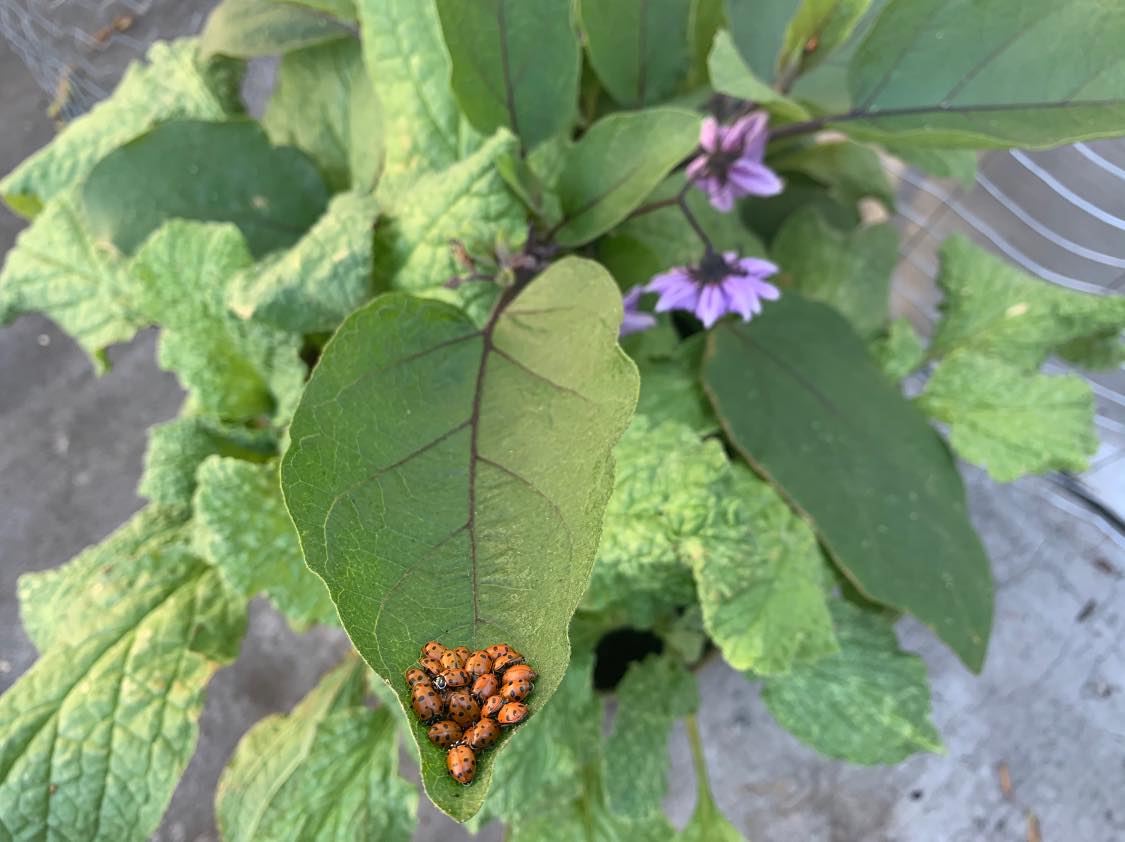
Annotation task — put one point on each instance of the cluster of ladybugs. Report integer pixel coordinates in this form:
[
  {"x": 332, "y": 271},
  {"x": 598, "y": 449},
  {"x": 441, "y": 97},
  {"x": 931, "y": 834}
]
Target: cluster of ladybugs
[{"x": 467, "y": 696}]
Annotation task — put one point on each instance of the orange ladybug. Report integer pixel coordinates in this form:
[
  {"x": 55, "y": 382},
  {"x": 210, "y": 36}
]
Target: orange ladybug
[
  {"x": 478, "y": 664},
  {"x": 426, "y": 702},
  {"x": 486, "y": 685},
  {"x": 508, "y": 659},
  {"x": 463, "y": 708},
  {"x": 434, "y": 650},
  {"x": 462, "y": 764},
  {"x": 462, "y": 653},
  {"x": 497, "y": 649},
  {"x": 515, "y": 691},
  {"x": 512, "y": 713},
  {"x": 416, "y": 676},
  {"x": 520, "y": 672},
  {"x": 445, "y": 734},
  {"x": 492, "y": 706},
  {"x": 449, "y": 660},
  {"x": 454, "y": 678},
  {"x": 483, "y": 735},
  {"x": 432, "y": 666}
]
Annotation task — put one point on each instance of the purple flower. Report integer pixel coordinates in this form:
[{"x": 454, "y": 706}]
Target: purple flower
[
  {"x": 635, "y": 321},
  {"x": 721, "y": 284},
  {"x": 731, "y": 164}
]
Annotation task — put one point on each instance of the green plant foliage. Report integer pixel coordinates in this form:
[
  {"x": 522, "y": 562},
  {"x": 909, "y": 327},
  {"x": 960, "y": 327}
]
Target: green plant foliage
[
  {"x": 325, "y": 772},
  {"x": 249, "y": 28},
  {"x": 850, "y": 170},
  {"x": 670, "y": 387},
  {"x": 707, "y": 824},
  {"x": 172, "y": 83},
  {"x": 732, "y": 76},
  {"x": 343, "y": 9},
  {"x": 957, "y": 164},
  {"x": 996, "y": 310},
  {"x": 758, "y": 30},
  {"x": 641, "y": 50},
  {"x": 325, "y": 105},
  {"x": 313, "y": 286},
  {"x": 260, "y": 555},
  {"x": 515, "y": 502},
  {"x": 849, "y": 271},
  {"x": 817, "y": 28},
  {"x": 221, "y": 172},
  {"x": 898, "y": 351},
  {"x": 801, "y": 399},
  {"x": 1010, "y": 421},
  {"x": 616, "y": 164},
  {"x": 98, "y": 731},
  {"x": 653, "y": 694},
  {"x": 516, "y": 64},
  {"x": 869, "y": 704}
]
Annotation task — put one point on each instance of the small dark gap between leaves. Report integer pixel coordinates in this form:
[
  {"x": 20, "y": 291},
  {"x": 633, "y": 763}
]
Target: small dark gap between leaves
[{"x": 619, "y": 648}]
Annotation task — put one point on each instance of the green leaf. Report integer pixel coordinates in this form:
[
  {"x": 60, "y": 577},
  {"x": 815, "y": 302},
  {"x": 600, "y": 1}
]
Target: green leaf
[
  {"x": 342, "y": 9},
  {"x": 707, "y": 824},
  {"x": 662, "y": 498},
  {"x": 851, "y": 171},
  {"x": 469, "y": 202},
  {"x": 58, "y": 267},
  {"x": 653, "y": 694},
  {"x": 671, "y": 389},
  {"x": 250, "y": 28},
  {"x": 765, "y": 216},
  {"x": 957, "y": 164},
  {"x": 851, "y": 272},
  {"x": 800, "y": 398},
  {"x": 870, "y": 704},
  {"x": 260, "y": 554},
  {"x": 640, "y": 49},
  {"x": 898, "y": 351},
  {"x": 313, "y": 286},
  {"x": 758, "y": 29},
  {"x": 1011, "y": 421},
  {"x": 762, "y": 580},
  {"x": 817, "y": 28},
  {"x": 434, "y": 463},
  {"x": 325, "y": 105},
  {"x": 172, "y": 83},
  {"x": 97, "y": 733},
  {"x": 515, "y": 64},
  {"x": 1098, "y": 350},
  {"x": 707, "y": 17},
  {"x": 325, "y": 772},
  {"x": 231, "y": 369},
  {"x": 973, "y": 74},
  {"x": 616, "y": 164},
  {"x": 222, "y": 172},
  {"x": 424, "y": 130},
  {"x": 177, "y": 447},
  {"x": 732, "y": 76},
  {"x": 993, "y": 308}
]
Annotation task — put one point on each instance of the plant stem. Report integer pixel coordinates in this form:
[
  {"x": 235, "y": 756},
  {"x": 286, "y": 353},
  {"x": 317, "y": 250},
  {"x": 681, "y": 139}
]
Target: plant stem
[
  {"x": 681, "y": 200},
  {"x": 703, "y": 785}
]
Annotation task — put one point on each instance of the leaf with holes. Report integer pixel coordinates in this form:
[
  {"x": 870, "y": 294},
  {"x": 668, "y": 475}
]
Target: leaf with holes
[
  {"x": 801, "y": 399},
  {"x": 448, "y": 481}
]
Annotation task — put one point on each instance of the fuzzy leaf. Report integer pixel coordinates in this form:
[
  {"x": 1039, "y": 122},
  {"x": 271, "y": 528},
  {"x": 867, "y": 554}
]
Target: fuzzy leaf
[
  {"x": 1010, "y": 421},
  {"x": 223, "y": 172},
  {"x": 994, "y": 309},
  {"x": 57, "y": 267},
  {"x": 448, "y": 482},
  {"x": 640, "y": 49},
  {"x": 313, "y": 286},
  {"x": 616, "y": 164},
  {"x": 869, "y": 704},
  {"x": 898, "y": 351},
  {"x": 515, "y": 64},
  {"x": 851, "y": 272},
  {"x": 762, "y": 580},
  {"x": 325, "y": 105},
  {"x": 325, "y": 772},
  {"x": 653, "y": 694},
  {"x": 251, "y": 28},
  {"x": 800, "y": 398},
  {"x": 260, "y": 554},
  {"x": 172, "y": 83},
  {"x": 97, "y": 733}
]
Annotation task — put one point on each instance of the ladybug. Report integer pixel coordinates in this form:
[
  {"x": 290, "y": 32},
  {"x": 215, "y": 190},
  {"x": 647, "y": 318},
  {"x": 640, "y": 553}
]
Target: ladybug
[
  {"x": 416, "y": 676},
  {"x": 497, "y": 649},
  {"x": 454, "y": 678},
  {"x": 433, "y": 649},
  {"x": 483, "y": 735},
  {"x": 462, "y": 764},
  {"x": 486, "y": 685},
  {"x": 432, "y": 666},
  {"x": 492, "y": 706},
  {"x": 515, "y": 691},
  {"x": 445, "y": 734},
  {"x": 462, "y": 653},
  {"x": 520, "y": 672},
  {"x": 512, "y": 713},
  {"x": 478, "y": 664},
  {"x": 449, "y": 660},
  {"x": 508, "y": 659},
  {"x": 463, "y": 708},
  {"x": 426, "y": 702}
]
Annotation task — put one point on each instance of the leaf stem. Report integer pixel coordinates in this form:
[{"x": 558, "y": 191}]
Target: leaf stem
[{"x": 702, "y": 783}]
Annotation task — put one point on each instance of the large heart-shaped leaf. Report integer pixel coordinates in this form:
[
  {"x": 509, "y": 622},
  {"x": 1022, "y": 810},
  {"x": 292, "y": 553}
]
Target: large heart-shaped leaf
[{"x": 448, "y": 481}]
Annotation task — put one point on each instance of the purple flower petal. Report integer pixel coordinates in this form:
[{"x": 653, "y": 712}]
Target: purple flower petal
[
  {"x": 712, "y": 304},
  {"x": 721, "y": 196},
  {"x": 756, "y": 267},
  {"x": 677, "y": 290},
  {"x": 709, "y": 134},
  {"x": 741, "y": 297},
  {"x": 697, "y": 168},
  {"x": 636, "y": 322},
  {"x": 667, "y": 281},
  {"x": 764, "y": 290},
  {"x": 754, "y": 179},
  {"x": 749, "y": 131}
]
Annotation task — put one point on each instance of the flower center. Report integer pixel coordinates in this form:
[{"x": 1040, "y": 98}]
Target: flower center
[{"x": 713, "y": 268}]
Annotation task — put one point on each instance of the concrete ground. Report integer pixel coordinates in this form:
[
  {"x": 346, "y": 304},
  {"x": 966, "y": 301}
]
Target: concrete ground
[{"x": 1047, "y": 715}]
